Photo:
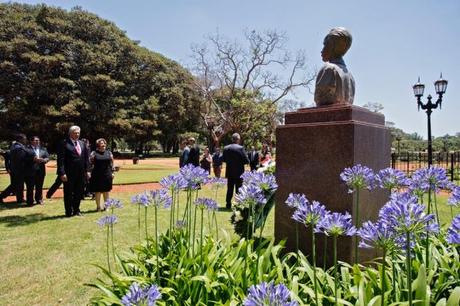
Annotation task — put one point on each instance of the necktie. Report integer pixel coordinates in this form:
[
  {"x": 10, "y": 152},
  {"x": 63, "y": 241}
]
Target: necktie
[{"x": 77, "y": 147}]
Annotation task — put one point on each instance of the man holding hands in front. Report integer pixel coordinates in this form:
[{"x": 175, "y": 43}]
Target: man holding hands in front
[{"x": 73, "y": 166}]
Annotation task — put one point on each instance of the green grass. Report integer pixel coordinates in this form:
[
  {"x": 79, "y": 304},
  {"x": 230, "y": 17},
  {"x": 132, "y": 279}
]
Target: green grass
[{"x": 47, "y": 259}]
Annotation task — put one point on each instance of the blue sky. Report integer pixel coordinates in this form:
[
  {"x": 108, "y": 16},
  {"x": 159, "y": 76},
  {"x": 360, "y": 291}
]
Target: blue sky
[{"x": 394, "y": 42}]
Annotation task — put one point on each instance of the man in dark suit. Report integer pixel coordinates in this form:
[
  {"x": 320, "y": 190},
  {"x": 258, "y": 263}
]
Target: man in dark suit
[
  {"x": 253, "y": 156},
  {"x": 8, "y": 190},
  {"x": 235, "y": 158},
  {"x": 73, "y": 166},
  {"x": 35, "y": 172},
  {"x": 194, "y": 154},
  {"x": 20, "y": 156}
]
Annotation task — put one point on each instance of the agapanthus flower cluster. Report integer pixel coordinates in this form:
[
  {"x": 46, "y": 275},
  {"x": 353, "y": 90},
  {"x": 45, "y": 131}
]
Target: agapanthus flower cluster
[
  {"x": 391, "y": 179},
  {"x": 434, "y": 177},
  {"x": 207, "y": 203},
  {"x": 336, "y": 224},
  {"x": 107, "y": 220},
  {"x": 310, "y": 214},
  {"x": 295, "y": 200},
  {"x": 266, "y": 182},
  {"x": 217, "y": 182},
  {"x": 173, "y": 182},
  {"x": 160, "y": 197},
  {"x": 358, "y": 177},
  {"x": 454, "y": 199},
  {"x": 141, "y": 199},
  {"x": 194, "y": 176},
  {"x": 453, "y": 233},
  {"x": 250, "y": 195},
  {"x": 112, "y": 203},
  {"x": 269, "y": 294},
  {"x": 138, "y": 295},
  {"x": 405, "y": 215},
  {"x": 378, "y": 235}
]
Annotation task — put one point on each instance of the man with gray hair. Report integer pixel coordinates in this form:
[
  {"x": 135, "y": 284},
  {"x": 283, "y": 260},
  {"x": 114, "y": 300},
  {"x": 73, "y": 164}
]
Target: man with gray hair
[
  {"x": 334, "y": 83},
  {"x": 235, "y": 158},
  {"x": 73, "y": 166}
]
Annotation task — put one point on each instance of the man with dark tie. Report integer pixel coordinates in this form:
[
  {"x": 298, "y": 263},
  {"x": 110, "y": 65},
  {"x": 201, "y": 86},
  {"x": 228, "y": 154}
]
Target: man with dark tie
[
  {"x": 20, "y": 156},
  {"x": 253, "y": 156},
  {"x": 73, "y": 166},
  {"x": 35, "y": 172},
  {"x": 194, "y": 154},
  {"x": 235, "y": 158}
]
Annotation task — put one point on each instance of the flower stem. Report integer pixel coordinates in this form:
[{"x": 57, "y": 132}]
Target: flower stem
[
  {"x": 436, "y": 208},
  {"x": 193, "y": 234},
  {"x": 201, "y": 240},
  {"x": 383, "y": 277},
  {"x": 313, "y": 251},
  {"x": 108, "y": 257},
  {"x": 139, "y": 221},
  {"x": 156, "y": 245},
  {"x": 145, "y": 225},
  {"x": 325, "y": 253},
  {"x": 215, "y": 221},
  {"x": 408, "y": 263},
  {"x": 357, "y": 226},
  {"x": 334, "y": 242},
  {"x": 113, "y": 246}
]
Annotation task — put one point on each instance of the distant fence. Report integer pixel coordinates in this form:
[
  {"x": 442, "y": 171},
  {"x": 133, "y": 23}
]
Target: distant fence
[{"x": 411, "y": 161}]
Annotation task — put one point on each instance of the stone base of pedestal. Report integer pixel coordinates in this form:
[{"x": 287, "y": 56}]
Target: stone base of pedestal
[{"x": 313, "y": 148}]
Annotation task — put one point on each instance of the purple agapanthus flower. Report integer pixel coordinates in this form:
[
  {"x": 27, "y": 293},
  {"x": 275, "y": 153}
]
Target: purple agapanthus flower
[
  {"x": 377, "y": 235},
  {"x": 454, "y": 199},
  {"x": 434, "y": 177},
  {"x": 391, "y": 179},
  {"x": 141, "y": 199},
  {"x": 358, "y": 177},
  {"x": 137, "y": 296},
  {"x": 173, "y": 182},
  {"x": 207, "y": 203},
  {"x": 180, "y": 224},
  {"x": 266, "y": 182},
  {"x": 295, "y": 200},
  {"x": 107, "y": 220},
  {"x": 310, "y": 214},
  {"x": 112, "y": 203},
  {"x": 269, "y": 294},
  {"x": 405, "y": 215},
  {"x": 453, "y": 233},
  {"x": 217, "y": 182},
  {"x": 336, "y": 224},
  {"x": 160, "y": 197},
  {"x": 250, "y": 195},
  {"x": 194, "y": 176}
]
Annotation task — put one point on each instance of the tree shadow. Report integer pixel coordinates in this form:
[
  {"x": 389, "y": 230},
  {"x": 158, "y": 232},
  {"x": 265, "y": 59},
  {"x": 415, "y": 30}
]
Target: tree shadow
[
  {"x": 24, "y": 220},
  {"x": 12, "y": 205}
]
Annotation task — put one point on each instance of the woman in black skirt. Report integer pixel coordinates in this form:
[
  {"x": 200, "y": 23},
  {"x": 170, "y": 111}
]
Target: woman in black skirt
[{"x": 102, "y": 173}]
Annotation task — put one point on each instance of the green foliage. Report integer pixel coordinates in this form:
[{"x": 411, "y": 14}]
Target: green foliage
[{"x": 72, "y": 67}]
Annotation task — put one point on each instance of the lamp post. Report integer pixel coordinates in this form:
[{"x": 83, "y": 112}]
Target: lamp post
[{"x": 440, "y": 86}]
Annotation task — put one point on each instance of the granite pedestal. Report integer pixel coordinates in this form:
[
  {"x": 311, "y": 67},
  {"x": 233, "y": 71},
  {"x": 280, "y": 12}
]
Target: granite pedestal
[{"x": 313, "y": 148}]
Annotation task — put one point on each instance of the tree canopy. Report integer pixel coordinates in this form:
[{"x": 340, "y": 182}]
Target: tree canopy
[{"x": 59, "y": 68}]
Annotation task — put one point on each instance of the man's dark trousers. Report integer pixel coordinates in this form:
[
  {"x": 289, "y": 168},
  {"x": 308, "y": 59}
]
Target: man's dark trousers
[
  {"x": 232, "y": 183},
  {"x": 57, "y": 183},
  {"x": 34, "y": 181},
  {"x": 73, "y": 191},
  {"x": 17, "y": 181}
]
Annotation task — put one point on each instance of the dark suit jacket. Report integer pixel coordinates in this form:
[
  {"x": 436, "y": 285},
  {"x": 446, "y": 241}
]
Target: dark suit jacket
[
  {"x": 253, "y": 159},
  {"x": 194, "y": 156},
  {"x": 20, "y": 157},
  {"x": 7, "y": 158},
  {"x": 235, "y": 157},
  {"x": 35, "y": 168},
  {"x": 69, "y": 162}
]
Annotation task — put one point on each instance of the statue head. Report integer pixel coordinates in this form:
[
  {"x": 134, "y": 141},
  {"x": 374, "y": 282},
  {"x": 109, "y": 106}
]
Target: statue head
[{"x": 336, "y": 44}]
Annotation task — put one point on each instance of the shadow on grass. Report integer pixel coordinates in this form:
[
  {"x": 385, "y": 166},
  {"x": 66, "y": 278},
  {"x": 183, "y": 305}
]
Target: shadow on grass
[{"x": 16, "y": 220}]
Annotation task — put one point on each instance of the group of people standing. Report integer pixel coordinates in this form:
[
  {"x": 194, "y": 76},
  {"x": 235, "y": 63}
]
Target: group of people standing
[
  {"x": 77, "y": 166},
  {"x": 25, "y": 163},
  {"x": 234, "y": 156}
]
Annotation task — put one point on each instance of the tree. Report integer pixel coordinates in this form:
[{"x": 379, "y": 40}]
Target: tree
[
  {"x": 235, "y": 79},
  {"x": 59, "y": 68},
  {"x": 374, "y": 107}
]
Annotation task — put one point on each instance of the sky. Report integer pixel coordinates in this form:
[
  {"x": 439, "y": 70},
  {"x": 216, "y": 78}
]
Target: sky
[{"x": 394, "y": 42}]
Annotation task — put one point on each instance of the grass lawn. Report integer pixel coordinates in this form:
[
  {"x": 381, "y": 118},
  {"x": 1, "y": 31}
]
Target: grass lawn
[{"x": 48, "y": 259}]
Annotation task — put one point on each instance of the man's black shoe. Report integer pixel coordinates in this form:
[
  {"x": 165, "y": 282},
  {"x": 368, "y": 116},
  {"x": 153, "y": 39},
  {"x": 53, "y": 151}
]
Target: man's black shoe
[
  {"x": 78, "y": 214},
  {"x": 48, "y": 196}
]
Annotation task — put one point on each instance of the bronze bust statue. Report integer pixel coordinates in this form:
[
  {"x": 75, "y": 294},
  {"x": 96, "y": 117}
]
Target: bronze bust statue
[{"x": 334, "y": 83}]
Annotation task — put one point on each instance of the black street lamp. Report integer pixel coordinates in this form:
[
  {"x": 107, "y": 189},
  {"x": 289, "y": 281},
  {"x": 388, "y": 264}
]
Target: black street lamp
[{"x": 440, "y": 86}]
